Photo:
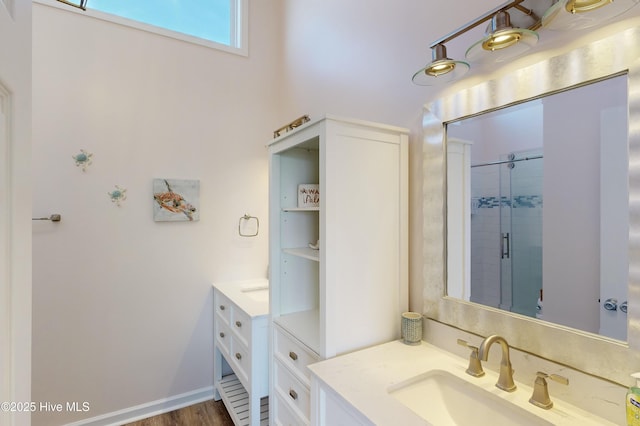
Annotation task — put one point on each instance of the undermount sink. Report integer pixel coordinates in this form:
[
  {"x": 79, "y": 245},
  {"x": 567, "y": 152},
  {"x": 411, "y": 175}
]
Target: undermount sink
[
  {"x": 442, "y": 398},
  {"x": 259, "y": 293}
]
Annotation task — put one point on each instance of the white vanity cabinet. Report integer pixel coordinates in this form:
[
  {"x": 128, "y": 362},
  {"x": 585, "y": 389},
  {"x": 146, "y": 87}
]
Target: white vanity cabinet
[
  {"x": 331, "y": 409},
  {"x": 241, "y": 322},
  {"x": 349, "y": 293}
]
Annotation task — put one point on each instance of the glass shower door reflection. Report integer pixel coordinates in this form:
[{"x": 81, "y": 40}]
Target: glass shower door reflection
[
  {"x": 522, "y": 271},
  {"x": 506, "y": 232}
]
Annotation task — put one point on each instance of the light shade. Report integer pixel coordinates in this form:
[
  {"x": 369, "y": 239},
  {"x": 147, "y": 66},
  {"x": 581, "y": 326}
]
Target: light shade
[
  {"x": 502, "y": 42},
  {"x": 441, "y": 69},
  {"x": 580, "y": 14}
]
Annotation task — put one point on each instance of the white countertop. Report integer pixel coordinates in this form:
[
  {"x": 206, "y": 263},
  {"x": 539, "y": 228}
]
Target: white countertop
[
  {"x": 363, "y": 379},
  {"x": 252, "y": 296}
]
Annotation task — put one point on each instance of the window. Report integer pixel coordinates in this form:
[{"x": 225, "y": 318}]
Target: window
[{"x": 215, "y": 23}]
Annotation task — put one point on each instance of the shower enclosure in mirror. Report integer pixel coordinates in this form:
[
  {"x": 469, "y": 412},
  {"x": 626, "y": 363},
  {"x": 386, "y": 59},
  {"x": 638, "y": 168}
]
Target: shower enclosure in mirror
[
  {"x": 538, "y": 208},
  {"x": 506, "y": 195}
]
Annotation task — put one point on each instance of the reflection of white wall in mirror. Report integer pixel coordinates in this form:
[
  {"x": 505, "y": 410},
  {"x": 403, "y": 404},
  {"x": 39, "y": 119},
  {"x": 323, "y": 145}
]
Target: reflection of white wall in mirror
[
  {"x": 518, "y": 128},
  {"x": 571, "y": 217},
  {"x": 614, "y": 219}
]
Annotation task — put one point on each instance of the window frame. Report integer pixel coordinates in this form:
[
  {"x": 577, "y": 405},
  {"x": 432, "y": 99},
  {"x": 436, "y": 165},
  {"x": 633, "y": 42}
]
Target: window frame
[{"x": 239, "y": 28}]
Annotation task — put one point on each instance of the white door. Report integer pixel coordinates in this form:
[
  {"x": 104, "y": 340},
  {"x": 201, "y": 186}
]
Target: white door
[
  {"x": 614, "y": 222},
  {"x": 15, "y": 212}
]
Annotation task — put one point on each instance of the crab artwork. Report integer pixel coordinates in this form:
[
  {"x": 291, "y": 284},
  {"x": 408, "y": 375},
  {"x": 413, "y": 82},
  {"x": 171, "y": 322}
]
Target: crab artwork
[
  {"x": 83, "y": 159},
  {"x": 172, "y": 203},
  {"x": 118, "y": 195}
]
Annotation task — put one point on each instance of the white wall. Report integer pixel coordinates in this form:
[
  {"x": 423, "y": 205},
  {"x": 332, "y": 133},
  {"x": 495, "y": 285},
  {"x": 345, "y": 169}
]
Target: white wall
[
  {"x": 122, "y": 304},
  {"x": 572, "y": 179}
]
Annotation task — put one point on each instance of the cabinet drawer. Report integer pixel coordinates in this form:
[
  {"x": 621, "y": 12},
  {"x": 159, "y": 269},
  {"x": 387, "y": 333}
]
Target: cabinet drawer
[
  {"x": 222, "y": 307},
  {"x": 241, "y": 325},
  {"x": 241, "y": 359},
  {"x": 292, "y": 390},
  {"x": 223, "y": 336},
  {"x": 294, "y": 354},
  {"x": 284, "y": 415}
]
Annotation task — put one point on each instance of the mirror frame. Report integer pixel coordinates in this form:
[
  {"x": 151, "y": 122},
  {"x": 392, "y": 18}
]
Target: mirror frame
[{"x": 610, "y": 55}]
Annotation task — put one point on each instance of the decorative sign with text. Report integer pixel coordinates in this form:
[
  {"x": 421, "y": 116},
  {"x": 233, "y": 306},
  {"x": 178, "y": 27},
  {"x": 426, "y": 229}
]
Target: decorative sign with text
[{"x": 308, "y": 195}]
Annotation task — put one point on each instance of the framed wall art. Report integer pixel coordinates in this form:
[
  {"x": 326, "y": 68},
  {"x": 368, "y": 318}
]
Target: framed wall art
[{"x": 176, "y": 200}]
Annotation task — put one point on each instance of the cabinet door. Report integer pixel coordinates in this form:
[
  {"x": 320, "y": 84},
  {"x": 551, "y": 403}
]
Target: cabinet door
[
  {"x": 364, "y": 265},
  {"x": 329, "y": 409}
]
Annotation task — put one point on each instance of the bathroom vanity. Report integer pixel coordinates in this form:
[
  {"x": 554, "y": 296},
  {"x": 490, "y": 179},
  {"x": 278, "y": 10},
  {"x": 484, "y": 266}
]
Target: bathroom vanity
[
  {"x": 338, "y": 265},
  {"x": 398, "y": 384},
  {"x": 445, "y": 300},
  {"x": 241, "y": 322}
]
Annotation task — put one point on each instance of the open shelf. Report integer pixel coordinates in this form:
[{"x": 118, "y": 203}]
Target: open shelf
[
  {"x": 301, "y": 209},
  {"x": 304, "y": 252},
  {"x": 236, "y": 399}
]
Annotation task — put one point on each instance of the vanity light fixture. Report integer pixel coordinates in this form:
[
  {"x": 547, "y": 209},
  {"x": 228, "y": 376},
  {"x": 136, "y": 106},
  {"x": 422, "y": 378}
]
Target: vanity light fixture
[
  {"x": 500, "y": 39},
  {"x": 577, "y": 6},
  {"x": 441, "y": 69},
  {"x": 580, "y": 14},
  {"x": 512, "y": 32},
  {"x": 503, "y": 41}
]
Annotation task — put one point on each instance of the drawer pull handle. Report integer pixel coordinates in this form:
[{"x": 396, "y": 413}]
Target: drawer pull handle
[
  {"x": 222, "y": 334},
  {"x": 293, "y": 356},
  {"x": 238, "y": 355},
  {"x": 222, "y": 308},
  {"x": 293, "y": 394},
  {"x": 238, "y": 324}
]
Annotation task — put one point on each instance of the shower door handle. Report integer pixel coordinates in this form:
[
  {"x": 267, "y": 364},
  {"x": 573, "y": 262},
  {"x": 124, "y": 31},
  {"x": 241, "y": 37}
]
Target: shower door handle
[{"x": 504, "y": 245}]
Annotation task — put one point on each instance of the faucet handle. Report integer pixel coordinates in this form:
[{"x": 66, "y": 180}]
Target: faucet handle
[
  {"x": 475, "y": 366},
  {"x": 540, "y": 397}
]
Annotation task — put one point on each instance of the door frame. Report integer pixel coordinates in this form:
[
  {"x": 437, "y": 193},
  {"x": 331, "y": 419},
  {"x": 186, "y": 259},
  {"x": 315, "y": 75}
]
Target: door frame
[{"x": 15, "y": 213}]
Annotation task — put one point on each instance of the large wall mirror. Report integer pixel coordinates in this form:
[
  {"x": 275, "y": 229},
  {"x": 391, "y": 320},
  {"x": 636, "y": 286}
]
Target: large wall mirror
[
  {"x": 537, "y": 174},
  {"x": 541, "y": 190}
]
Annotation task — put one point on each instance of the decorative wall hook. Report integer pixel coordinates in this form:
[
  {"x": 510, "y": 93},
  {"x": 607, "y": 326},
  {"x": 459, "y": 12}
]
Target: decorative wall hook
[
  {"x": 118, "y": 195},
  {"x": 83, "y": 159}
]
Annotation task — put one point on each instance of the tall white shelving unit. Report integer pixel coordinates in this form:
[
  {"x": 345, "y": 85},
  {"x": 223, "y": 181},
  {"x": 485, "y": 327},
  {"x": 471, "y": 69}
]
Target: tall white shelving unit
[{"x": 351, "y": 292}]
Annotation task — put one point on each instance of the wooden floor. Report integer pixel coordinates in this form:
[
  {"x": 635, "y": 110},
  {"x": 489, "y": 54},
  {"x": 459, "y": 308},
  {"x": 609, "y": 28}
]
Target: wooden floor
[{"x": 208, "y": 413}]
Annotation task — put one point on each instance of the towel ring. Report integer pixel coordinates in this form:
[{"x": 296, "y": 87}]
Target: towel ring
[{"x": 247, "y": 217}]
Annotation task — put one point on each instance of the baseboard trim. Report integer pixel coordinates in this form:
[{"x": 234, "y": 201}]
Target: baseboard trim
[{"x": 149, "y": 409}]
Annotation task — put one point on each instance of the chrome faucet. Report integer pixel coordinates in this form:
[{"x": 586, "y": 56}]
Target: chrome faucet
[{"x": 505, "y": 380}]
